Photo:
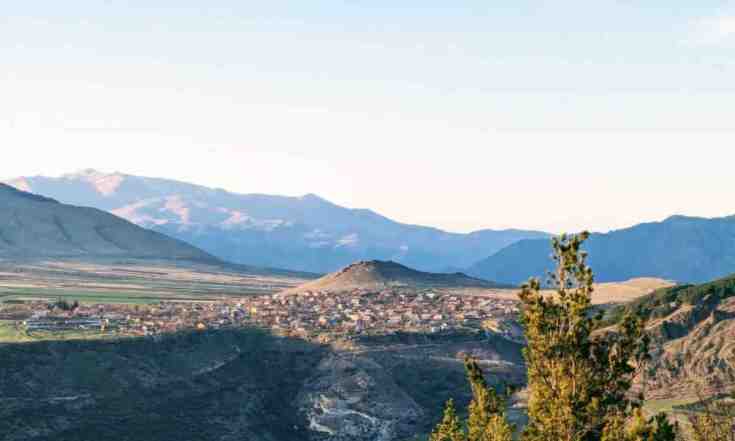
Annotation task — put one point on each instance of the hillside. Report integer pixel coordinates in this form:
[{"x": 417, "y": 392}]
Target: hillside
[
  {"x": 303, "y": 233},
  {"x": 35, "y": 226},
  {"x": 376, "y": 275},
  {"x": 214, "y": 386},
  {"x": 616, "y": 293},
  {"x": 232, "y": 385},
  {"x": 683, "y": 249},
  {"x": 693, "y": 330}
]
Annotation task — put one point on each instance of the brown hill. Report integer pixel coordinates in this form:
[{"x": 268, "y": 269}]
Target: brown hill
[
  {"x": 693, "y": 339},
  {"x": 35, "y": 226},
  {"x": 613, "y": 293},
  {"x": 377, "y": 274}
]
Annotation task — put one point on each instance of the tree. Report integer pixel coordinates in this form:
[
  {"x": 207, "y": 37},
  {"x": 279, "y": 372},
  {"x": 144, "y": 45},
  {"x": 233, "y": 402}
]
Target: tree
[
  {"x": 638, "y": 428},
  {"x": 486, "y": 420},
  {"x": 450, "y": 429},
  {"x": 713, "y": 419},
  {"x": 498, "y": 429},
  {"x": 486, "y": 413},
  {"x": 579, "y": 376},
  {"x": 718, "y": 425},
  {"x": 578, "y": 380}
]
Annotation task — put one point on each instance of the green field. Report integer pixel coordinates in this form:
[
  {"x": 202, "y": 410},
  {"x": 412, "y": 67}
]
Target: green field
[
  {"x": 95, "y": 296},
  {"x": 9, "y": 334},
  {"x": 134, "y": 282}
]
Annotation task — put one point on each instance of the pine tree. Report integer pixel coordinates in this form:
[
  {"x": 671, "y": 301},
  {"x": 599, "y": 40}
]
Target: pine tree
[
  {"x": 579, "y": 377},
  {"x": 638, "y": 428},
  {"x": 486, "y": 419},
  {"x": 498, "y": 429},
  {"x": 715, "y": 418},
  {"x": 578, "y": 383},
  {"x": 450, "y": 429},
  {"x": 485, "y": 404}
]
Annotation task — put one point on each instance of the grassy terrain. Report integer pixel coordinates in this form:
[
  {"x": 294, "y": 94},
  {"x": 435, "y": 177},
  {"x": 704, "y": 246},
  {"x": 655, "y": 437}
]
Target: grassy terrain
[
  {"x": 9, "y": 334},
  {"x": 672, "y": 408},
  {"x": 134, "y": 282},
  {"x": 664, "y": 301},
  {"x": 92, "y": 297},
  {"x": 667, "y": 406},
  {"x": 606, "y": 294}
]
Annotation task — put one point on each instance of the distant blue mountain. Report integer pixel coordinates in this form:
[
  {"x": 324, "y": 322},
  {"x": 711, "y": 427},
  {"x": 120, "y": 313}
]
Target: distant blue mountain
[
  {"x": 303, "y": 233},
  {"x": 684, "y": 249}
]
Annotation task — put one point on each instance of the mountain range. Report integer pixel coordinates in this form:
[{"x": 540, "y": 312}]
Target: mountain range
[
  {"x": 680, "y": 248},
  {"x": 309, "y": 233},
  {"x": 303, "y": 233},
  {"x": 36, "y": 226}
]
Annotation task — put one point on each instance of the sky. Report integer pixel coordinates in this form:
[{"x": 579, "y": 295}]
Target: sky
[{"x": 469, "y": 114}]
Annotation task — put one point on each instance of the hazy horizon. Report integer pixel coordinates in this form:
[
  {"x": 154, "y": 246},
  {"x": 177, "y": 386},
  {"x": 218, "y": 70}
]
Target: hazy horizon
[
  {"x": 110, "y": 171},
  {"x": 462, "y": 116}
]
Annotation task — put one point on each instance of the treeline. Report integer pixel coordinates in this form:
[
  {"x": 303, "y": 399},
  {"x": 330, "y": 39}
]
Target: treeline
[{"x": 64, "y": 305}]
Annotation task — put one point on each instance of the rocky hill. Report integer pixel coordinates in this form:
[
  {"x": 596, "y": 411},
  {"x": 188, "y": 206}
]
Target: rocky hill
[
  {"x": 683, "y": 249},
  {"x": 693, "y": 339},
  {"x": 377, "y": 275},
  {"x": 304, "y": 233},
  {"x": 232, "y": 385},
  {"x": 203, "y": 386},
  {"x": 36, "y": 226}
]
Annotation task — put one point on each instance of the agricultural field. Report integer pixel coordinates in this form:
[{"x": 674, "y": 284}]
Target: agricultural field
[
  {"x": 10, "y": 333},
  {"x": 129, "y": 288},
  {"x": 136, "y": 282}
]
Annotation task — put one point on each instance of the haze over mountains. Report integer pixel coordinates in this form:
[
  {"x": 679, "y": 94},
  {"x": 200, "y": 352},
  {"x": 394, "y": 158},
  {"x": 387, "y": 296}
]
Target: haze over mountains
[
  {"x": 311, "y": 234},
  {"x": 36, "y": 226},
  {"x": 680, "y": 248},
  {"x": 304, "y": 233}
]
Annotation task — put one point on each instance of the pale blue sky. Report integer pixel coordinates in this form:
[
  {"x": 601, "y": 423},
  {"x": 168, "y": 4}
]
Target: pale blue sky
[{"x": 452, "y": 114}]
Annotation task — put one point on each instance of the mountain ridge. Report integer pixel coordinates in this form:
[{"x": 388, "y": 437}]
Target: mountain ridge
[
  {"x": 306, "y": 233},
  {"x": 681, "y": 248},
  {"x": 37, "y": 226}
]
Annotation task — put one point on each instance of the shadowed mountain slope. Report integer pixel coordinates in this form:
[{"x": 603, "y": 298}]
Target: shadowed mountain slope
[
  {"x": 303, "y": 233},
  {"x": 684, "y": 249},
  {"x": 36, "y": 226},
  {"x": 239, "y": 384}
]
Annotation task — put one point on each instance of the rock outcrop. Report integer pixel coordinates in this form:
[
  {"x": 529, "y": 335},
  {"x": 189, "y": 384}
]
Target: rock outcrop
[{"x": 354, "y": 398}]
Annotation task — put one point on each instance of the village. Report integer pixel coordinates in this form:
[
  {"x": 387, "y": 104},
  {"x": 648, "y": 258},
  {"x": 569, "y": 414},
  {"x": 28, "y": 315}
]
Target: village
[
  {"x": 378, "y": 312},
  {"x": 310, "y": 315}
]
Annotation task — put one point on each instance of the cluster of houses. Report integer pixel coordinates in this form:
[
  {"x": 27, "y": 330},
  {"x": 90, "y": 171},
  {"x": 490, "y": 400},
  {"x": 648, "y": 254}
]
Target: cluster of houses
[
  {"x": 120, "y": 319},
  {"x": 306, "y": 314},
  {"x": 362, "y": 311}
]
